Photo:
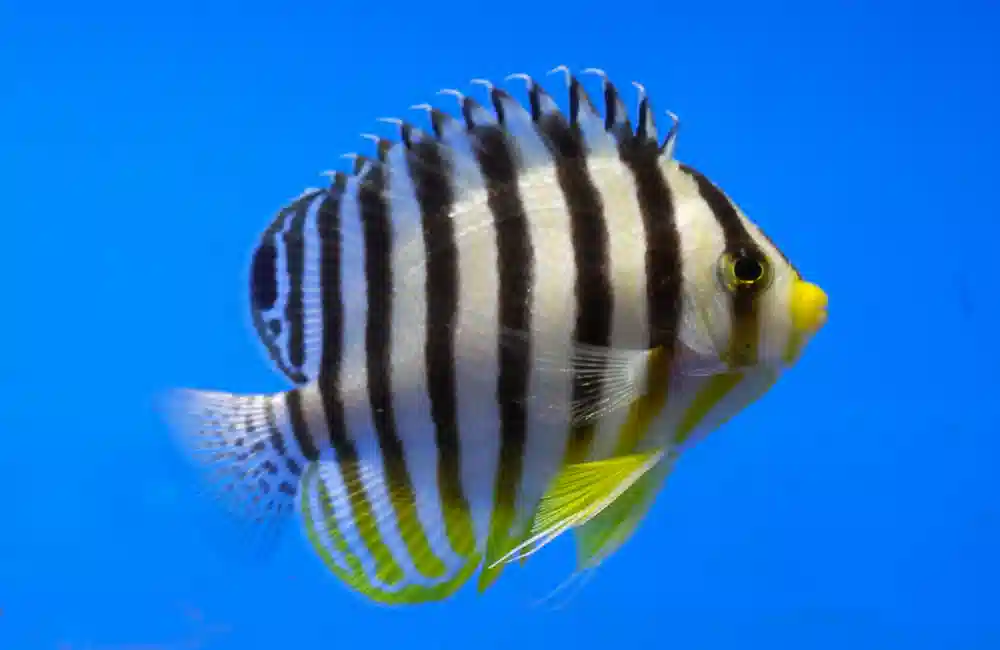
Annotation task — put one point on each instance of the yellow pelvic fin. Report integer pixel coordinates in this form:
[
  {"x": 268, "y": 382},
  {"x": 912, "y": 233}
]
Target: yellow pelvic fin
[
  {"x": 579, "y": 493},
  {"x": 607, "y": 531}
]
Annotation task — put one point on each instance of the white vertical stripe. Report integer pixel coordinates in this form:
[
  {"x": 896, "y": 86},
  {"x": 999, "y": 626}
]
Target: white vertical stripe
[
  {"x": 553, "y": 321},
  {"x": 315, "y": 418},
  {"x": 477, "y": 364},
  {"x": 705, "y": 319},
  {"x": 353, "y": 292},
  {"x": 627, "y": 252},
  {"x": 312, "y": 298}
]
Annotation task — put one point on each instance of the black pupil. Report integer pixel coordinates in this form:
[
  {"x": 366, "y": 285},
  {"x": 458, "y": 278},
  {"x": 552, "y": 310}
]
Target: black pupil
[{"x": 747, "y": 269}]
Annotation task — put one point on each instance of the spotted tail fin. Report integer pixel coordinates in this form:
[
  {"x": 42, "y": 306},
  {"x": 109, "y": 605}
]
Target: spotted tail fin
[{"x": 245, "y": 455}]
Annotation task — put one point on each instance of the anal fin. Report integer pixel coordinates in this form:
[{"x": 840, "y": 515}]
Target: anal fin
[{"x": 350, "y": 516}]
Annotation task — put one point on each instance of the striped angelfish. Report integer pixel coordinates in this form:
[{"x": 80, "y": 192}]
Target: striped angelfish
[{"x": 499, "y": 327}]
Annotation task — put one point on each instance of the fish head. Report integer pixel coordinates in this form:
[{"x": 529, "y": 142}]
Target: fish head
[{"x": 745, "y": 304}]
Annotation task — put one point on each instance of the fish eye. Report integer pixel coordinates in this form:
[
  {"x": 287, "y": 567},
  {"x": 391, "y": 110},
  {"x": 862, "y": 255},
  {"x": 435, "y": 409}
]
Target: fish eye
[
  {"x": 744, "y": 270},
  {"x": 747, "y": 269}
]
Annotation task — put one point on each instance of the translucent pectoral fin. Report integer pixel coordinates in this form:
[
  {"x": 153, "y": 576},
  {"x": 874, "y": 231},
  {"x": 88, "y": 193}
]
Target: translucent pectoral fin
[{"x": 608, "y": 378}]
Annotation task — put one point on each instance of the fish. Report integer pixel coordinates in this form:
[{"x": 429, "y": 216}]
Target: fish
[{"x": 499, "y": 327}]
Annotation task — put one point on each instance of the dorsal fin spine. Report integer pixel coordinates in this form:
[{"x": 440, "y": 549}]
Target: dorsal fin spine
[{"x": 473, "y": 115}]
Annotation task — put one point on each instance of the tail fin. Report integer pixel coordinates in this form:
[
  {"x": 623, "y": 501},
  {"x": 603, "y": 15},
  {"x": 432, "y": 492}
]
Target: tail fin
[{"x": 240, "y": 447}]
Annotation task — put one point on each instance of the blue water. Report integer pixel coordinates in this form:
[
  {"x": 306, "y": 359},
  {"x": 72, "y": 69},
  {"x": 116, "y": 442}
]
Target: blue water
[{"x": 143, "y": 146}]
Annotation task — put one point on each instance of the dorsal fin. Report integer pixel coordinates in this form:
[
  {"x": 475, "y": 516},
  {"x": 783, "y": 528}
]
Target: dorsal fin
[{"x": 285, "y": 289}]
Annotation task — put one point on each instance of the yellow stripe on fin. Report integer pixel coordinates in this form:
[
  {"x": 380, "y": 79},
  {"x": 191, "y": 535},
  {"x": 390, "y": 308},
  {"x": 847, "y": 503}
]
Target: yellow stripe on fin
[
  {"x": 579, "y": 493},
  {"x": 609, "y": 529}
]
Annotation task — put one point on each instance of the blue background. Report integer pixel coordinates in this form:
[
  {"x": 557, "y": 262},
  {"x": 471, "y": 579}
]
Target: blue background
[{"x": 143, "y": 146}]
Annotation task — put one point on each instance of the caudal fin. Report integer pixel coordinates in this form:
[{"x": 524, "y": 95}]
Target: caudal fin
[{"x": 239, "y": 448}]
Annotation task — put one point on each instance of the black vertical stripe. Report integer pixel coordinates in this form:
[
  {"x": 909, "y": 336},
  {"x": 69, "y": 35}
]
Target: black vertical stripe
[
  {"x": 732, "y": 226},
  {"x": 331, "y": 284},
  {"x": 515, "y": 270},
  {"x": 589, "y": 233},
  {"x": 377, "y": 230},
  {"x": 294, "y": 239},
  {"x": 264, "y": 275},
  {"x": 300, "y": 430},
  {"x": 432, "y": 186},
  {"x": 736, "y": 236},
  {"x": 664, "y": 264},
  {"x": 738, "y": 242},
  {"x": 277, "y": 440},
  {"x": 329, "y": 230}
]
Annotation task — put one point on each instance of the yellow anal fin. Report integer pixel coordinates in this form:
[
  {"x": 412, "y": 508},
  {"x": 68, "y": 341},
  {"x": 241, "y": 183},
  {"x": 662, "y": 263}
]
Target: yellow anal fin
[
  {"x": 609, "y": 529},
  {"x": 345, "y": 528},
  {"x": 579, "y": 493}
]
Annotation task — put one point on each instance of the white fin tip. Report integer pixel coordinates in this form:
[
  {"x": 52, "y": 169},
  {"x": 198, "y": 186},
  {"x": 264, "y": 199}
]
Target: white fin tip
[
  {"x": 563, "y": 69},
  {"x": 451, "y": 91},
  {"x": 526, "y": 78},
  {"x": 596, "y": 71}
]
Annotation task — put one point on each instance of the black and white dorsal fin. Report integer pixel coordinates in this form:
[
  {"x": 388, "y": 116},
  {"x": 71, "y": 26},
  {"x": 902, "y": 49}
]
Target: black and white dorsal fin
[
  {"x": 585, "y": 116},
  {"x": 645, "y": 127},
  {"x": 453, "y": 135},
  {"x": 518, "y": 125},
  {"x": 616, "y": 120},
  {"x": 670, "y": 142}
]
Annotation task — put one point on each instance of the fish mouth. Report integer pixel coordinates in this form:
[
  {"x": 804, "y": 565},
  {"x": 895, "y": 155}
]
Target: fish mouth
[{"x": 809, "y": 308}]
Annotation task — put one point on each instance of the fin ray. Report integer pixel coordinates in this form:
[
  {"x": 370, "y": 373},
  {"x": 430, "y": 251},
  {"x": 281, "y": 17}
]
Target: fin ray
[{"x": 243, "y": 459}]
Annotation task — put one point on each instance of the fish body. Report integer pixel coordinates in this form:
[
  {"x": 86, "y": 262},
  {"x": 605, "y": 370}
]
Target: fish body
[{"x": 499, "y": 328}]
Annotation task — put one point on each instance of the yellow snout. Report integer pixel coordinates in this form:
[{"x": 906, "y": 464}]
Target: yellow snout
[{"x": 809, "y": 304}]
